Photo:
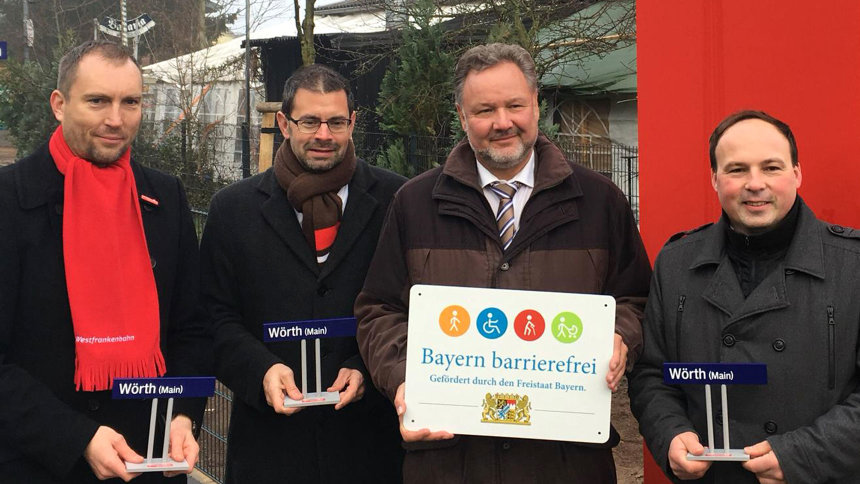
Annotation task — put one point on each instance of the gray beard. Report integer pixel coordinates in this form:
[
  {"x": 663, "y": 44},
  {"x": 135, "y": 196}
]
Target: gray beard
[{"x": 491, "y": 159}]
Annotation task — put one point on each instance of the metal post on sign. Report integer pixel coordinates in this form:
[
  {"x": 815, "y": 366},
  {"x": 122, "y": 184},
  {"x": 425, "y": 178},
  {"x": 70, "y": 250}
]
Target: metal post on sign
[
  {"x": 304, "y": 367},
  {"x": 709, "y": 410},
  {"x": 122, "y": 18},
  {"x": 165, "y": 447},
  {"x": 151, "y": 442},
  {"x": 725, "y": 403}
]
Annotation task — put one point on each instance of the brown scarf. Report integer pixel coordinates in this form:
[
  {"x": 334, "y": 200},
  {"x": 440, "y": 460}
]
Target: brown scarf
[
  {"x": 112, "y": 292},
  {"x": 314, "y": 194}
]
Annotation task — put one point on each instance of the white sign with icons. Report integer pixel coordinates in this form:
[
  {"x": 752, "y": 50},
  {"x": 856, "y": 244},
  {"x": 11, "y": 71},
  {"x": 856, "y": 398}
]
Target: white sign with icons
[{"x": 509, "y": 363}]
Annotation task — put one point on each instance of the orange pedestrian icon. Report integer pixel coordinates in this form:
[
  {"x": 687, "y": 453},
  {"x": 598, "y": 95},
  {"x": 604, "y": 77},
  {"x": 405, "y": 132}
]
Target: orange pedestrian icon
[{"x": 454, "y": 320}]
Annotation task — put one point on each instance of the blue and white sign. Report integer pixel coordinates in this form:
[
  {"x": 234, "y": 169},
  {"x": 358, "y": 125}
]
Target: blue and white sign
[
  {"x": 166, "y": 387},
  {"x": 3, "y": 53},
  {"x": 715, "y": 373},
  {"x": 509, "y": 363},
  {"x": 316, "y": 328}
]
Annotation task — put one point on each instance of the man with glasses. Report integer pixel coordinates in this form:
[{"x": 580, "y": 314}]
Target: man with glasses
[{"x": 294, "y": 244}]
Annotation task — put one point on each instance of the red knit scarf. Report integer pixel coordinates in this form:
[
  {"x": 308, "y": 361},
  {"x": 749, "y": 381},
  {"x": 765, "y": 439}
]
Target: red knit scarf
[{"x": 109, "y": 276}]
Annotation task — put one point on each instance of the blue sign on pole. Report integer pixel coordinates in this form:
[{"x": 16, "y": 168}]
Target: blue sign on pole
[
  {"x": 165, "y": 387},
  {"x": 3, "y": 53},
  {"x": 316, "y": 328},
  {"x": 715, "y": 373}
]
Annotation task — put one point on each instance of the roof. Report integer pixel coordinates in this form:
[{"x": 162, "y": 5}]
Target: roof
[
  {"x": 350, "y": 6},
  {"x": 226, "y": 55},
  {"x": 597, "y": 73},
  {"x": 366, "y": 6}
]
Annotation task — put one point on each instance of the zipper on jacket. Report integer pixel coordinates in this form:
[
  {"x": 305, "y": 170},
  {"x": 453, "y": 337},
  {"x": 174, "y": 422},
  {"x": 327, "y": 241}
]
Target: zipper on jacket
[
  {"x": 678, "y": 318},
  {"x": 831, "y": 349}
]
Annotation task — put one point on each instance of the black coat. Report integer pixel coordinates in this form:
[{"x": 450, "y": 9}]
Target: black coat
[
  {"x": 802, "y": 321},
  {"x": 44, "y": 423},
  {"x": 257, "y": 267}
]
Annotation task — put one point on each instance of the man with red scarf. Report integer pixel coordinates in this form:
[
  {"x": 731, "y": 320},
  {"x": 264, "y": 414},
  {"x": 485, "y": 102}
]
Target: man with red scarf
[
  {"x": 98, "y": 281},
  {"x": 293, "y": 244}
]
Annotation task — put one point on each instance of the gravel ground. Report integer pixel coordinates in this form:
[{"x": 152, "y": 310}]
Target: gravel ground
[{"x": 628, "y": 454}]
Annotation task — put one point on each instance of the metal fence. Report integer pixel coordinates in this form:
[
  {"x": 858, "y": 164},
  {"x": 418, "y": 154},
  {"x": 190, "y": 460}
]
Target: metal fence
[
  {"x": 617, "y": 162},
  {"x": 204, "y": 172},
  {"x": 213, "y": 434}
]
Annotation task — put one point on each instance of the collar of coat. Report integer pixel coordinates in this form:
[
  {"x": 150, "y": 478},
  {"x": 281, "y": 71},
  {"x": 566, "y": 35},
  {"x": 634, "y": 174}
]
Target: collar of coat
[
  {"x": 39, "y": 182},
  {"x": 805, "y": 254},
  {"x": 551, "y": 167},
  {"x": 553, "y": 201}
]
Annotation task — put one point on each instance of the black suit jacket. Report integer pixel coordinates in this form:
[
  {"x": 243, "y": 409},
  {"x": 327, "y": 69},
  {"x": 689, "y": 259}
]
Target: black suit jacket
[
  {"x": 257, "y": 267},
  {"x": 44, "y": 423}
]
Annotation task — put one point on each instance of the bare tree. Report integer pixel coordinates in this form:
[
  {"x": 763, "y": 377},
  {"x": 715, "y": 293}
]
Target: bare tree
[
  {"x": 181, "y": 27},
  {"x": 305, "y": 31}
]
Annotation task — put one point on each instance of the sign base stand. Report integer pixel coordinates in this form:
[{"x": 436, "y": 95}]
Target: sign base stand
[
  {"x": 317, "y": 397},
  {"x": 158, "y": 465},
  {"x": 155, "y": 388},
  {"x": 312, "y": 399},
  {"x": 712, "y": 454},
  {"x": 164, "y": 463},
  {"x": 721, "y": 455}
]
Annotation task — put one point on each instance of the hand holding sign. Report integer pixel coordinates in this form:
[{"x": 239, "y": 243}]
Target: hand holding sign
[
  {"x": 617, "y": 364},
  {"x": 350, "y": 384},
  {"x": 279, "y": 383},
  {"x": 764, "y": 463},
  {"x": 682, "y": 445},
  {"x": 178, "y": 440},
  {"x": 183, "y": 445},
  {"x": 316, "y": 329},
  {"x": 106, "y": 452},
  {"x": 715, "y": 373},
  {"x": 415, "y": 435}
]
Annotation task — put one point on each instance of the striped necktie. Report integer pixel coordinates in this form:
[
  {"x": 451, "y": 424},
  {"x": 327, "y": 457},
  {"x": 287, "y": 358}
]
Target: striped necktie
[{"x": 505, "y": 213}]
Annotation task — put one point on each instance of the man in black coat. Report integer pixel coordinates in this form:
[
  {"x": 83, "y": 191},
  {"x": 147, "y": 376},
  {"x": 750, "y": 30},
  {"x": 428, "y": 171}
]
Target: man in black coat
[
  {"x": 294, "y": 244},
  {"x": 768, "y": 283},
  {"x": 57, "y": 420}
]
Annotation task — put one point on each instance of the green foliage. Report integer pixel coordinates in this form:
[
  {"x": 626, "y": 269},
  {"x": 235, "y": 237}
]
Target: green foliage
[
  {"x": 417, "y": 90},
  {"x": 546, "y": 126},
  {"x": 393, "y": 157},
  {"x": 186, "y": 157},
  {"x": 25, "y": 107}
]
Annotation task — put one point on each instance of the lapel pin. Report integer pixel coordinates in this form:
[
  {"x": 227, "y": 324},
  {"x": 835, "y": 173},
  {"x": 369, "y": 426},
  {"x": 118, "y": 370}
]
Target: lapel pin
[{"x": 149, "y": 200}]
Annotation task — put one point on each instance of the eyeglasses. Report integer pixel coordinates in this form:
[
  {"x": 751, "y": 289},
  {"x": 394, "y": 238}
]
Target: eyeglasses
[{"x": 312, "y": 125}]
